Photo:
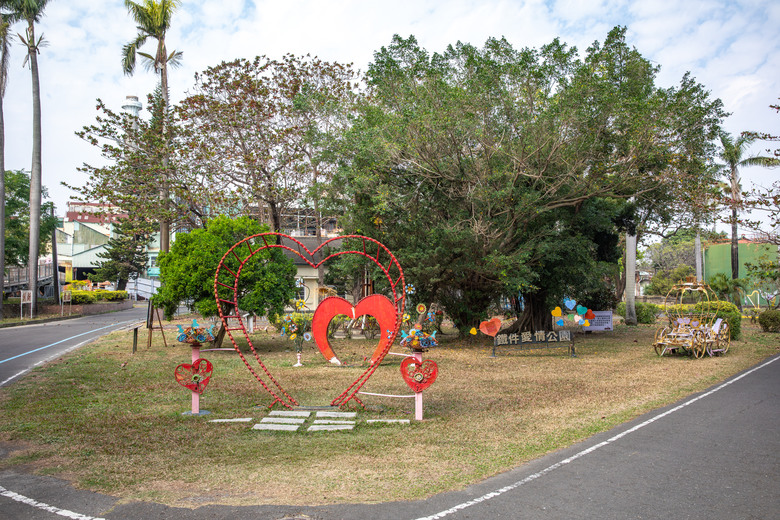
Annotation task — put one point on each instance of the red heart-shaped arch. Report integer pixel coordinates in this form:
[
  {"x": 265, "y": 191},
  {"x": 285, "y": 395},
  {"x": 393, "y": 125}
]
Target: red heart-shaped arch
[
  {"x": 375, "y": 305},
  {"x": 226, "y": 293}
]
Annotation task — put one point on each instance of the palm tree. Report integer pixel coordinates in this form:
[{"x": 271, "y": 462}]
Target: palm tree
[
  {"x": 31, "y": 11},
  {"x": 153, "y": 19},
  {"x": 731, "y": 153},
  {"x": 5, "y": 22}
]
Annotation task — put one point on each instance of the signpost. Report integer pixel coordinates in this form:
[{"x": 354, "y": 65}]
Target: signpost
[
  {"x": 27, "y": 297},
  {"x": 67, "y": 297}
]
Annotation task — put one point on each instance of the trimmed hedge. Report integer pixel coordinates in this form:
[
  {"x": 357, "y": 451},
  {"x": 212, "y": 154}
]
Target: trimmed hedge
[
  {"x": 770, "y": 321},
  {"x": 110, "y": 296},
  {"x": 645, "y": 312},
  {"x": 86, "y": 297},
  {"x": 82, "y": 297}
]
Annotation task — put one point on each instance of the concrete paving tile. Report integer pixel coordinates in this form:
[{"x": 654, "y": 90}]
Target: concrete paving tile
[
  {"x": 283, "y": 420},
  {"x": 338, "y": 415},
  {"x": 330, "y": 427},
  {"x": 289, "y": 413},
  {"x": 275, "y": 426}
]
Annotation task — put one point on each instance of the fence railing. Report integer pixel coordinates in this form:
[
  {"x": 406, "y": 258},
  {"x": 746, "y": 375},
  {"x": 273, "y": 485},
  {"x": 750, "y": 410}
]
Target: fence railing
[{"x": 20, "y": 275}]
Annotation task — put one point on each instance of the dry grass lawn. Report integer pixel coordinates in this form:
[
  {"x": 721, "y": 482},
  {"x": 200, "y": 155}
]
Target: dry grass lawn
[{"x": 111, "y": 421}]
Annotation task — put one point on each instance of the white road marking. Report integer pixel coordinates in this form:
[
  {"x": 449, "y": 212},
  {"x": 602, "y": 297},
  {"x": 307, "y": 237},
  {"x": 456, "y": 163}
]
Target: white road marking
[
  {"x": 45, "y": 507},
  {"x": 15, "y": 376},
  {"x": 557, "y": 465},
  {"x": 62, "y": 341}
]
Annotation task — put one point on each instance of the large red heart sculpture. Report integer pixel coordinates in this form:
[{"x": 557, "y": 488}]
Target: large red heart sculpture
[
  {"x": 195, "y": 376},
  {"x": 419, "y": 375},
  {"x": 375, "y": 305},
  {"x": 226, "y": 293},
  {"x": 490, "y": 327}
]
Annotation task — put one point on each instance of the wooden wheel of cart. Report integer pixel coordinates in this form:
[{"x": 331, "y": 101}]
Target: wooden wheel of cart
[
  {"x": 698, "y": 344},
  {"x": 657, "y": 342},
  {"x": 724, "y": 338}
]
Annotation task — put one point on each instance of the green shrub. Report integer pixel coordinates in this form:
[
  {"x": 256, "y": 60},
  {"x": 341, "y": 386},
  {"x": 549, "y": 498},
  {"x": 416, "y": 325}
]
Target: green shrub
[
  {"x": 678, "y": 309},
  {"x": 770, "y": 321},
  {"x": 115, "y": 296},
  {"x": 110, "y": 296},
  {"x": 645, "y": 312},
  {"x": 82, "y": 297},
  {"x": 336, "y": 324}
]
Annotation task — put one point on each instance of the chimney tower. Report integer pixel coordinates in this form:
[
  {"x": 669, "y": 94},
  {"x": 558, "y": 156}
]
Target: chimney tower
[{"x": 132, "y": 106}]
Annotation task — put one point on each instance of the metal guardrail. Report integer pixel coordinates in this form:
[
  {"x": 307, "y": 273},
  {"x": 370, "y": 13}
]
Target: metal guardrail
[{"x": 19, "y": 276}]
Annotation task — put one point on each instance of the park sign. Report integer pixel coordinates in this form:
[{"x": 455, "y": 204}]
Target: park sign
[
  {"x": 539, "y": 339},
  {"x": 601, "y": 321},
  {"x": 540, "y": 336}
]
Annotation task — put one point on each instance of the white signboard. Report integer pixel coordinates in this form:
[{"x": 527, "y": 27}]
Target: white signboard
[
  {"x": 66, "y": 296},
  {"x": 602, "y": 321},
  {"x": 26, "y": 298}
]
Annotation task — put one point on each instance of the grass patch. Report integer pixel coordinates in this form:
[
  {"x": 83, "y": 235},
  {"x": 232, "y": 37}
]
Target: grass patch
[{"x": 111, "y": 421}]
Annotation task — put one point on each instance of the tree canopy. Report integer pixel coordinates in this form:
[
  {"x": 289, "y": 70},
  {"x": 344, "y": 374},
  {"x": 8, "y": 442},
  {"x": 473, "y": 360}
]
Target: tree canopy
[
  {"x": 125, "y": 256},
  {"x": 258, "y": 129},
  {"x": 17, "y": 218},
  {"x": 492, "y": 171},
  {"x": 267, "y": 281}
]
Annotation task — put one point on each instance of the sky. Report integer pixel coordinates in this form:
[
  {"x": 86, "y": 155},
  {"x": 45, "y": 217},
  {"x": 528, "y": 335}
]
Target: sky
[{"x": 731, "y": 47}]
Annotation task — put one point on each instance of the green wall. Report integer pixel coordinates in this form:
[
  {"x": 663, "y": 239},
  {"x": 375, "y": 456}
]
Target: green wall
[{"x": 717, "y": 258}]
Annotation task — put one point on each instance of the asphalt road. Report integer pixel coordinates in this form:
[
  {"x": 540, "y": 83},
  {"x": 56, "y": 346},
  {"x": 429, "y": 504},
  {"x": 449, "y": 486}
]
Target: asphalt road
[
  {"x": 26, "y": 346},
  {"x": 712, "y": 456}
]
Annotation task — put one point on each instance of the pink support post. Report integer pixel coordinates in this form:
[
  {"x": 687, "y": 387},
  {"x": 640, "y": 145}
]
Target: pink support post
[
  {"x": 418, "y": 401},
  {"x": 195, "y": 395}
]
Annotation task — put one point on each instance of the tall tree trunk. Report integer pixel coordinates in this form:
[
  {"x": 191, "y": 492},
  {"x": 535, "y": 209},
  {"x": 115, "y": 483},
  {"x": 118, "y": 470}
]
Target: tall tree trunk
[
  {"x": 165, "y": 226},
  {"x": 697, "y": 252},
  {"x": 734, "y": 245},
  {"x": 735, "y": 200},
  {"x": 318, "y": 233},
  {"x": 535, "y": 314},
  {"x": 2, "y": 203},
  {"x": 620, "y": 280},
  {"x": 630, "y": 279},
  {"x": 276, "y": 217},
  {"x": 35, "y": 175},
  {"x": 54, "y": 261}
]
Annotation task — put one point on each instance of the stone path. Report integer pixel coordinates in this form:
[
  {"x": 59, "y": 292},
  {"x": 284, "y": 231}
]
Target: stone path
[{"x": 295, "y": 420}]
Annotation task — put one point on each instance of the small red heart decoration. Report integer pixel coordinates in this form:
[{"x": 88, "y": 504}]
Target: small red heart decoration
[
  {"x": 419, "y": 375},
  {"x": 490, "y": 327},
  {"x": 376, "y": 305},
  {"x": 195, "y": 376},
  {"x": 589, "y": 315}
]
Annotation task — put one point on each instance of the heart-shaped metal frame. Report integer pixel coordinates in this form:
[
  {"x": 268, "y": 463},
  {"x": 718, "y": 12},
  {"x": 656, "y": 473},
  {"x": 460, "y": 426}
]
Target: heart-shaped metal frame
[
  {"x": 195, "y": 375},
  {"x": 226, "y": 280},
  {"x": 419, "y": 375}
]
